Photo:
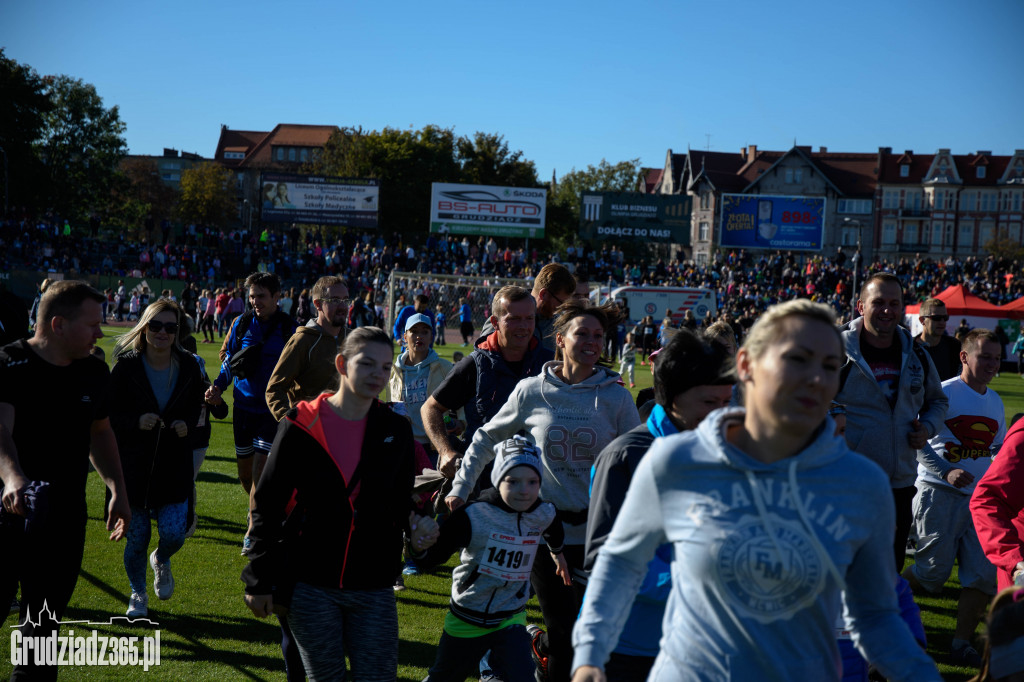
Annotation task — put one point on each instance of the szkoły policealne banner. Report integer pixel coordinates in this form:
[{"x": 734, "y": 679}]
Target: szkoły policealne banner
[
  {"x": 318, "y": 199},
  {"x": 758, "y": 221},
  {"x": 487, "y": 210},
  {"x": 632, "y": 215}
]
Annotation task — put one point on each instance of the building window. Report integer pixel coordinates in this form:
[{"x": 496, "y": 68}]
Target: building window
[
  {"x": 981, "y": 172},
  {"x": 889, "y": 233},
  {"x": 1016, "y": 201},
  {"x": 985, "y": 234},
  {"x": 798, "y": 175},
  {"x": 705, "y": 232},
  {"x": 304, "y": 155},
  {"x": 705, "y": 200},
  {"x": 969, "y": 201},
  {"x": 947, "y": 240},
  {"x": 890, "y": 199},
  {"x": 988, "y": 202},
  {"x": 291, "y": 153},
  {"x": 859, "y": 206},
  {"x": 937, "y": 234},
  {"x": 280, "y": 153},
  {"x": 702, "y": 259},
  {"x": 904, "y": 171},
  {"x": 789, "y": 176},
  {"x": 234, "y": 155},
  {"x": 966, "y": 239}
]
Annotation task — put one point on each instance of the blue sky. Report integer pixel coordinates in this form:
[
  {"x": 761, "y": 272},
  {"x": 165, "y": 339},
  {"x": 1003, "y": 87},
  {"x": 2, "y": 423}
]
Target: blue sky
[{"x": 568, "y": 83}]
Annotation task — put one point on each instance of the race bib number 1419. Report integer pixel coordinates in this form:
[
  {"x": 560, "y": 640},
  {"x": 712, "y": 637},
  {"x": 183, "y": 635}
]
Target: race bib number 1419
[{"x": 509, "y": 557}]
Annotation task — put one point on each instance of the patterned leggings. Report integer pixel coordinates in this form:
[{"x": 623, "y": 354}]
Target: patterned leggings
[
  {"x": 170, "y": 524},
  {"x": 328, "y": 623}
]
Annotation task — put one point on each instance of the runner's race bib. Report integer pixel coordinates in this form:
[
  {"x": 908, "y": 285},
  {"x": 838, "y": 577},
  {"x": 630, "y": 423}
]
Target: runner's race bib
[{"x": 509, "y": 557}]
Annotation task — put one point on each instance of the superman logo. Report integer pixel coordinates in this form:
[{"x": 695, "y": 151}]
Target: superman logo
[{"x": 975, "y": 435}]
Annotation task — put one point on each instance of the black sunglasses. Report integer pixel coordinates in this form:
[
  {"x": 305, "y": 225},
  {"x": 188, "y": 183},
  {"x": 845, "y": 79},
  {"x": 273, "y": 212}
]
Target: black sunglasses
[
  {"x": 157, "y": 326},
  {"x": 940, "y": 318}
]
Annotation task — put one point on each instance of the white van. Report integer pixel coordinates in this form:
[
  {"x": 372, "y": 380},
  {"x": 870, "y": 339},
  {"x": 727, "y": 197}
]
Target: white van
[{"x": 655, "y": 301}]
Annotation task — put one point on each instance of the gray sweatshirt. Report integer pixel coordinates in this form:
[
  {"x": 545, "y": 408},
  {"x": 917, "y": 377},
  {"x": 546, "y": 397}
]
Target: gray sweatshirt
[
  {"x": 761, "y": 555},
  {"x": 570, "y": 423},
  {"x": 879, "y": 432}
]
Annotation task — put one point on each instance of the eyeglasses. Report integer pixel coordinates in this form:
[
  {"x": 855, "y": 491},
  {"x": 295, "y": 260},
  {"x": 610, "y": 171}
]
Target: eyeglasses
[
  {"x": 158, "y": 326},
  {"x": 333, "y": 301},
  {"x": 937, "y": 318}
]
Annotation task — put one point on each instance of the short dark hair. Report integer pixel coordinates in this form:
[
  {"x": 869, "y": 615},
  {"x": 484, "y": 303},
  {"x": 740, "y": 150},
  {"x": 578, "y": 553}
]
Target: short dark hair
[
  {"x": 556, "y": 279},
  {"x": 323, "y": 284},
  {"x": 881, "y": 277},
  {"x": 64, "y": 299},
  {"x": 977, "y": 336},
  {"x": 267, "y": 280},
  {"x": 688, "y": 361},
  {"x": 421, "y": 298},
  {"x": 507, "y": 294}
]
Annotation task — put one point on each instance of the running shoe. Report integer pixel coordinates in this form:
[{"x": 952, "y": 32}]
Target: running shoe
[
  {"x": 539, "y": 659},
  {"x": 410, "y": 568},
  {"x": 163, "y": 581},
  {"x": 246, "y": 545},
  {"x": 399, "y": 583},
  {"x": 966, "y": 656},
  {"x": 138, "y": 605}
]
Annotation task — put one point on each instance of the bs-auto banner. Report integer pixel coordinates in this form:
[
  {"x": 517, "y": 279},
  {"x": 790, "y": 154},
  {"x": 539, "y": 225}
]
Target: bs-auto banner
[
  {"x": 758, "y": 221},
  {"x": 661, "y": 218},
  {"x": 487, "y": 210},
  {"x": 316, "y": 199}
]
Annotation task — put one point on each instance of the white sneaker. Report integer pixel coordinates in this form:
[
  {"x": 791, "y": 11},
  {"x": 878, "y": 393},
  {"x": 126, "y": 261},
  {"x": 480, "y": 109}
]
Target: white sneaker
[
  {"x": 138, "y": 605},
  {"x": 163, "y": 581}
]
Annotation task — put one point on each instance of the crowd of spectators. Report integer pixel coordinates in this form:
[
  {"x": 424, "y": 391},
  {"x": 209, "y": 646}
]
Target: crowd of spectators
[{"x": 745, "y": 282}]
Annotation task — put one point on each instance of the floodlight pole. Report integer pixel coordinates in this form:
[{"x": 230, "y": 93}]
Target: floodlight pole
[{"x": 856, "y": 262}]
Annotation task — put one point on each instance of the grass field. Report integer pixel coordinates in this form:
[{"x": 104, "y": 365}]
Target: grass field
[{"x": 207, "y": 633}]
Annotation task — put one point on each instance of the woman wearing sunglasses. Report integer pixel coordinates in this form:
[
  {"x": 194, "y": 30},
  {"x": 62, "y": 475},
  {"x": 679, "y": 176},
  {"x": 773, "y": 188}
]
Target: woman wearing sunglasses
[{"x": 156, "y": 393}]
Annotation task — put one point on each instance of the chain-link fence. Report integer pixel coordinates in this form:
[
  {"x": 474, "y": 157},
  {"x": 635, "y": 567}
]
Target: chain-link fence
[{"x": 446, "y": 293}]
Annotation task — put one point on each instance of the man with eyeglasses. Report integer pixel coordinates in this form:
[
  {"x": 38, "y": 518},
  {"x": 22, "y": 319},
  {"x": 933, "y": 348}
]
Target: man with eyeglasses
[
  {"x": 943, "y": 349},
  {"x": 306, "y": 366},
  {"x": 553, "y": 286}
]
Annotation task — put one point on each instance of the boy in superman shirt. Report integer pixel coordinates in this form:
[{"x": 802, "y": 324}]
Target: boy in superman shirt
[{"x": 500, "y": 534}]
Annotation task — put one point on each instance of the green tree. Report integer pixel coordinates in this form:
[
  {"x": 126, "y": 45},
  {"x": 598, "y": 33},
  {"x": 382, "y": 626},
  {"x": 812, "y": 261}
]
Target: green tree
[
  {"x": 23, "y": 106},
  {"x": 206, "y": 197},
  {"x": 1003, "y": 247},
  {"x": 405, "y": 161},
  {"x": 563, "y": 218},
  {"x": 81, "y": 145},
  {"x": 486, "y": 160},
  {"x": 139, "y": 194}
]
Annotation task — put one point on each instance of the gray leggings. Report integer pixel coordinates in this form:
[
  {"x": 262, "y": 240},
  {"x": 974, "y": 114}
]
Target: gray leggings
[{"x": 327, "y": 623}]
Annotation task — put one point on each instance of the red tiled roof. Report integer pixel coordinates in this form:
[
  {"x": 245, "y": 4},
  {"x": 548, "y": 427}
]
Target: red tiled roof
[
  {"x": 651, "y": 176},
  {"x": 290, "y": 135},
  {"x": 889, "y": 167},
  {"x": 967, "y": 166}
]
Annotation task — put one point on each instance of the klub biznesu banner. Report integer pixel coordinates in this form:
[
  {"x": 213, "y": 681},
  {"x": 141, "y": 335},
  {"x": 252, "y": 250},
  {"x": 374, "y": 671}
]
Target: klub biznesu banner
[
  {"x": 759, "y": 221},
  {"x": 661, "y": 218},
  {"x": 487, "y": 210},
  {"x": 318, "y": 199}
]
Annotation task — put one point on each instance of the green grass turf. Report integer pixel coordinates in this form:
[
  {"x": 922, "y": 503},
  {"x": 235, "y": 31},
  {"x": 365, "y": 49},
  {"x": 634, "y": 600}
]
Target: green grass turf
[{"x": 206, "y": 631}]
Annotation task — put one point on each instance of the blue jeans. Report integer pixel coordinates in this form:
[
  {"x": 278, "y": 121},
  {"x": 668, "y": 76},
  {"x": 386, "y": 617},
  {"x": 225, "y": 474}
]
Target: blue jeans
[
  {"x": 458, "y": 658},
  {"x": 171, "y": 525}
]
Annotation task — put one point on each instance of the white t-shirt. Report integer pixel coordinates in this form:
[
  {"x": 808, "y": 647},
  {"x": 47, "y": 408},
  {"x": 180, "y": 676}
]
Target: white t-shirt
[{"x": 973, "y": 431}]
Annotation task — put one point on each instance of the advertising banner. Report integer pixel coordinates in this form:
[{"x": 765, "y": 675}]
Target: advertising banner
[
  {"x": 487, "y": 210},
  {"x": 317, "y": 199},
  {"x": 661, "y": 218},
  {"x": 758, "y": 221}
]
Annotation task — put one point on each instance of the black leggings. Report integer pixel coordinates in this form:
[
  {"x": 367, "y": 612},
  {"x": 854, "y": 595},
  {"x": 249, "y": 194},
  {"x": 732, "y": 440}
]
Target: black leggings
[
  {"x": 206, "y": 325},
  {"x": 560, "y": 605}
]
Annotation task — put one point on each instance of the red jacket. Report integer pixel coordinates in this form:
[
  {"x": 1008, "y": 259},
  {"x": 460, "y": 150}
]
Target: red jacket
[{"x": 997, "y": 505}]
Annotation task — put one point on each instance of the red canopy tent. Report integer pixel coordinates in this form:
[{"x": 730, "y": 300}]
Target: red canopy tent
[
  {"x": 1013, "y": 310},
  {"x": 960, "y": 302}
]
